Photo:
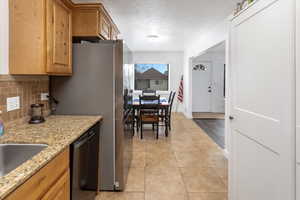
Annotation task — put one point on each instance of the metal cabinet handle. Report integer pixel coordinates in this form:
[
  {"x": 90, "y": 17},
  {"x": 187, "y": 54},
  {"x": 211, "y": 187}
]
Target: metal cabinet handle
[{"x": 231, "y": 117}]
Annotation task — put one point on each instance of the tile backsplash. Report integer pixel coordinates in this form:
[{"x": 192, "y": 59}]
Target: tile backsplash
[{"x": 29, "y": 89}]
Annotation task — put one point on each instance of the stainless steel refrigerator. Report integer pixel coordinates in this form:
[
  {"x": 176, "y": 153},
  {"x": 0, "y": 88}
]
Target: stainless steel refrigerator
[{"x": 96, "y": 88}]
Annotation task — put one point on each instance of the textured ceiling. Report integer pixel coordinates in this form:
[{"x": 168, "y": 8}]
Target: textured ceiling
[{"x": 172, "y": 20}]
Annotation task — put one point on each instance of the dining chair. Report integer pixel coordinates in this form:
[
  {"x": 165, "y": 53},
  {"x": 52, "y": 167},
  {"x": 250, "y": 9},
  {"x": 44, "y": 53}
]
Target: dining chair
[
  {"x": 162, "y": 112},
  {"x": 128, "y": 121},
  {"x": 149, "y": 112},
  {"x": 169, "y": 115},
  {"x": 170, "y": 97},
  {"x": 149, "y": 92}
]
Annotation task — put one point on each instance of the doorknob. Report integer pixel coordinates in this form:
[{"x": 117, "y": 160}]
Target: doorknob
[{"x": 231, "y": 117}]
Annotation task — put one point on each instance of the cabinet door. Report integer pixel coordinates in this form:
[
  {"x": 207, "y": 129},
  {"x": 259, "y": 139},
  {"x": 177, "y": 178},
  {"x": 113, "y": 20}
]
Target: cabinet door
[
  {"x": 105, "y": 26},
  {"x": 59, "y": 38},
  {"x": 85, "y": 22},
  {"x": 27, "y": 37},
  {"x": 60, "y": 190}
]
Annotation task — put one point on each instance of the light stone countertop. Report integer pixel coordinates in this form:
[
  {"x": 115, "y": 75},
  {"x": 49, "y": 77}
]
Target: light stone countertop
[{"x": 57, "y": 132}]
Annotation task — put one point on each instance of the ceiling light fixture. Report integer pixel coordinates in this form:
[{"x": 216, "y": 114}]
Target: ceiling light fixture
[{"x": 153, "y": 36}]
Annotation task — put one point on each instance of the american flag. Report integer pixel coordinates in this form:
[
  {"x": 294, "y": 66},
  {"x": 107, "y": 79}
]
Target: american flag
[{"x": 180, "y": 91}]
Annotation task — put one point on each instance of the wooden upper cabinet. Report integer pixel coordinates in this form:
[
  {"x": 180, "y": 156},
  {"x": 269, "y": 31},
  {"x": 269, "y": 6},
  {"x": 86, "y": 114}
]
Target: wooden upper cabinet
[
  {"x": 105, "y": 26},
  {"x": 114, "y": 33},
  {"x": 40, "y": 37},
  {"x": 27, "y": 38},
  {"x": 91, "y": 21},
  {"x": 59, "y": 40},
  {"x": 86, "y": 22}
]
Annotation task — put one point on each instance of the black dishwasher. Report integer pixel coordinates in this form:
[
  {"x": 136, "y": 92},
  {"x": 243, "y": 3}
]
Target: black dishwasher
[{"x": 85, "y": 175}]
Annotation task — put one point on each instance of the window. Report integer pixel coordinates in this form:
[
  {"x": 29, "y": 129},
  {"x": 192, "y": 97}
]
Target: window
[{"x": 151, "y": 76}]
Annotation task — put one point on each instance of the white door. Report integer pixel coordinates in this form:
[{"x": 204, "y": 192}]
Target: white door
[
  {"x": 263, "y": 84},
  {"x": 202, "y": 88},
  {"x": 218, "y": 98},
  {"x": 298, "y": 101}
]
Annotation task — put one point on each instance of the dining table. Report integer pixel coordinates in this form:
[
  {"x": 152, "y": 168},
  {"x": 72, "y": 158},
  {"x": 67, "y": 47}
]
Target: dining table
[{"x": 163, "y": 106}]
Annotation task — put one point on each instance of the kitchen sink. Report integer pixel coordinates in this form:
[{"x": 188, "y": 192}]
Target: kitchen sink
[{"x": 13, "y": 155}]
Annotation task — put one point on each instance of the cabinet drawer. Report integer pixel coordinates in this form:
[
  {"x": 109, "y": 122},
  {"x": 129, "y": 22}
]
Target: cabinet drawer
[{"x": 39, "y": 183}]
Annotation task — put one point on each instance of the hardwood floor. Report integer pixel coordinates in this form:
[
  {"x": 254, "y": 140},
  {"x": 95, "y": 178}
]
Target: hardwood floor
[
  {"x": 215, "y": 128},
  {"x": 187, "y": 165}
]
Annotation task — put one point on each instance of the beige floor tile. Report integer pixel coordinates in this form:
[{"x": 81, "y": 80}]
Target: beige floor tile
[
  {"x": 210, "y": 152},
  {"x": 135, "y": 180},
  {"x": 138, "y": 145},
  {"x": 195, "y": 196},
  {"x": 222, "y": 172},
  {"x": 148, "y": 134},
  {"x": 184, "y": 146},
  {"x": 192, "y": 159},
  {"x": 219, "y": 161},
  {"x": 199, "y": 135},
  {"x": 208, "y": 196},
  {"x": 202, "y": 180},
  {"x": 225, "y": 181},
  {"x": 190, "y": 137},
  {"x": 157, "y": 146},
  {"x": 165, "y": 196},
  {"x": 190, "y": 124},
  {"x": 161, "y": 160},
  {"x": 154, "y": 173},
  {"x": 182, "y": 137},
  {"x": 138, "y": 159},
  {"x": 121, "y": 196},
  {"x": 163, "y": 172},
  {"x": 167, "y": 180}
]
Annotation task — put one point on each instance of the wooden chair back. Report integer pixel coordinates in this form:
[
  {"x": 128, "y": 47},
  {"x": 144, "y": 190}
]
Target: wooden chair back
[
  {"x": 149, "y": 102},
  {"x": 170, "y": 97},
  {"x": 171, "y": 103}
]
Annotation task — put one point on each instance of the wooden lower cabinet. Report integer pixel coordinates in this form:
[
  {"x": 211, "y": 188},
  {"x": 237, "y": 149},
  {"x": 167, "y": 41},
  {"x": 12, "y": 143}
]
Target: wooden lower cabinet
[
  {"x": 60, "y": 190},
  {"x": 52, "y": 182}
]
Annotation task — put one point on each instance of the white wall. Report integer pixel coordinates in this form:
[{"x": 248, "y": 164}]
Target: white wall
[
  {"x": 196, "y": 45},
  {"x": 4, "y": 37},
  {"x": 217, "y": 59},
  {"x": 175, "y": 59}
]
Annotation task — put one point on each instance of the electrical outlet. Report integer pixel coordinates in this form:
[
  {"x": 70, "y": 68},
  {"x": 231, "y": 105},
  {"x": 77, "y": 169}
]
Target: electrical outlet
[
  {"x": 44, "y": 96},
  {"x": 13, "y": 103}
]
